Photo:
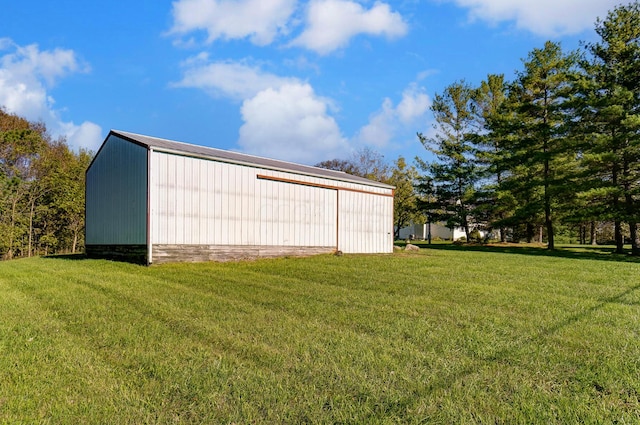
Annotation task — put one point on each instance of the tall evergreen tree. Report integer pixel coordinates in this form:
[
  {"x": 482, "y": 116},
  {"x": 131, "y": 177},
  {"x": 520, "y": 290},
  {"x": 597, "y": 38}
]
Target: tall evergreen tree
[
  {"x": 454, "y": 172},
  {"x": 610, "y": 118},
  {"x": 489, "y": 99},
  {"x": 540, "y": 148}
]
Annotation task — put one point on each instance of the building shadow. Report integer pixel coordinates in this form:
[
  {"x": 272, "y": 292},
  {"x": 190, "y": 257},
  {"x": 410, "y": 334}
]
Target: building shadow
[{"x": 75, "y": 257}]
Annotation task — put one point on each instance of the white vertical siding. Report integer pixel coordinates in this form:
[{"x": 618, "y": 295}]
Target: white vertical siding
[
  {"x": 203, "y": 213},
  {"x": 296, "y": 215},
  {"x": 199, "y": 201},
  {"x": 116, "y": 202},
  {"x": 365, "y": 223}
]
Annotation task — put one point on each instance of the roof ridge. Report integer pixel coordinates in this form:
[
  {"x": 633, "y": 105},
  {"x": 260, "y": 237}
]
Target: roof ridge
[{"x": 244, "y": 158}]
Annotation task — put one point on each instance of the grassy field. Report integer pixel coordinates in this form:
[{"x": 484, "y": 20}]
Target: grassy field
[{"x": 446, "y": 335}]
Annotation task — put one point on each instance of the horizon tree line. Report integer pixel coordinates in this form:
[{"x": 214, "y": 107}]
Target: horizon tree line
[
  {"x": 41, "y": 191},
  {"x": 556, "y": 147}
]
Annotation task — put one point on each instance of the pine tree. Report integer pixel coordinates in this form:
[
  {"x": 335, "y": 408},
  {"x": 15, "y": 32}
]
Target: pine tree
[
  {"x": 454, "y": 173},
  {"x": 610, "y": 91},
  {"x": 490, "y": 200},
  {"x": 539, "y": 153}
]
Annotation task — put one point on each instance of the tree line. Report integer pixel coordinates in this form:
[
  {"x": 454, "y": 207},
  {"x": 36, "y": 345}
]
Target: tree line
[
  {"x": 42, "y": 190},
  {"x": 556, "y": 147},
  {"x": 559, "y": 144},
  {"x": 370, "y": 164}
]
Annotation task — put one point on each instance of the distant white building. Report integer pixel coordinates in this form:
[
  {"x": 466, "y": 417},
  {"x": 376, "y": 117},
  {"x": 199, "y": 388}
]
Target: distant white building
[{"x": 438, "y": 230}]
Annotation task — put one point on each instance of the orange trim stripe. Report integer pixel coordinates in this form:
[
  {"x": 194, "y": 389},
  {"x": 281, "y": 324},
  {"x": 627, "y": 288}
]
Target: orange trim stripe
[{"x": 324, "y": 186}]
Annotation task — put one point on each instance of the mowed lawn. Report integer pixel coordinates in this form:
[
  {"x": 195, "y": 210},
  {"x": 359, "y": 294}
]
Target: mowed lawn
[{"x": 445, "y": 335}]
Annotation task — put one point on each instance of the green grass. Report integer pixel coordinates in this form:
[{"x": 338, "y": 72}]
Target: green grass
[{"x": 446, "y": 335}]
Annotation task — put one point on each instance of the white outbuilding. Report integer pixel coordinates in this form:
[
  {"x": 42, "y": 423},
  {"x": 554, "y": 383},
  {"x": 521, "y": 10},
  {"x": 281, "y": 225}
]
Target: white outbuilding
[{"x": 153, "y": 200}]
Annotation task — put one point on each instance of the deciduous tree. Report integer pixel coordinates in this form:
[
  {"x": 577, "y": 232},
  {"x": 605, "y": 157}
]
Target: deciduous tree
[
  {"x": 41, "y": 188},
  {"x": 405, "y": 200}
]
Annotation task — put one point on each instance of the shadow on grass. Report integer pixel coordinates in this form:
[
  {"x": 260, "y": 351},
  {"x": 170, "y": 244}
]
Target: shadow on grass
[
  {"x": 582, "y": 252},
  {"x": 77, "y": 256},
  {"x": 83, "y": 256},
  {"x": 507, "y": 355}
]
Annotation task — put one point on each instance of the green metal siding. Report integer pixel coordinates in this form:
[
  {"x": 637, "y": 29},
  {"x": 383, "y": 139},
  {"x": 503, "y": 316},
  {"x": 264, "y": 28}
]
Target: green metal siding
[{"x": 116, "y": 198}]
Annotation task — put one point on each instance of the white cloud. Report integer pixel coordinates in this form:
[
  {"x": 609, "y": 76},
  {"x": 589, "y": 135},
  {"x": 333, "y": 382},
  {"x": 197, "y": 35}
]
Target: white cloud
[
  {"x": 332, "y": 23},
  {"x": 414, "y": 104},
  {"x": 291, "y": 123},
  {"x": 26, "y": 76},
  {"x": 229, "y": 79},
  {"x": 86, "y": 135},
  {"x": 329, "y": 24},
  {"x": 542, "y": 17},
  {"x": 385, "y": 124},
  {"x": 259, "y": 20},
  {"x": 283, "y": 117},
  {"x": 379, "y": 131}
]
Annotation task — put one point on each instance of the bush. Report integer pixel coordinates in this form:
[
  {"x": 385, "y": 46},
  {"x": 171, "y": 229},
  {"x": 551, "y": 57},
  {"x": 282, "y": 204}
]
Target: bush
[{"x": 460, "y": 240}]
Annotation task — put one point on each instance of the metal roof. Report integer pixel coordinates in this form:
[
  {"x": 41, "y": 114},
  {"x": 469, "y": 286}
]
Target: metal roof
[{"x": 170, "y": 146}]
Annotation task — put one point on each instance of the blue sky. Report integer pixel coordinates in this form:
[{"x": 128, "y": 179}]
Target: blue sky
[{"x": 302, "y": 81}]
